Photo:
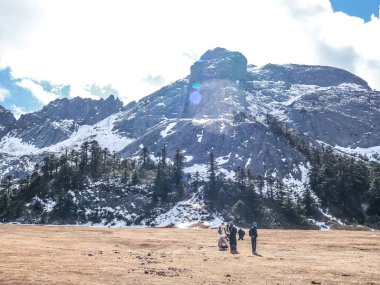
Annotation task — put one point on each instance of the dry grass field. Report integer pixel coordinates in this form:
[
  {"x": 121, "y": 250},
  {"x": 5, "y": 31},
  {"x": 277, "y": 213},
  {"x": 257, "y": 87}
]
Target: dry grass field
[{"x": 88, "y": 255}]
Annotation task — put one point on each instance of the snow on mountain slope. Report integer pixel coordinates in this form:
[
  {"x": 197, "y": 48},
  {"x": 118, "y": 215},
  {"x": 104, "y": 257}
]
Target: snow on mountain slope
[
  {"x": 198, "y": 115},
  {"x": 18, "y": 158},
  {"x": 102, "y": 132},
  {"x": 188, "y": 212}
]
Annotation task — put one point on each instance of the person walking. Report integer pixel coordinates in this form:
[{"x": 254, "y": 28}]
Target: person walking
[
  {"x": 232, "y": 238},
  {"x": 241, "y": 233},
  {"x": 253, "y": 234}
]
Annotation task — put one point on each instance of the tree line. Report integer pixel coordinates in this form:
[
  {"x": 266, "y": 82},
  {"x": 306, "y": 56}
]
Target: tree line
[{"x": 349, "y": 187}]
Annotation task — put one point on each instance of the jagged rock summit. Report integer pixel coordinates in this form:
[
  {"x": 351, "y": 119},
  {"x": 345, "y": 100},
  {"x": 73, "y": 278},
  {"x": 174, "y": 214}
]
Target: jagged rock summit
[
  {"x": 219, "y": 63},
  {"x": 255, "y": 118},
  {"x": 62, "y": 117},
  {"x": 7, "y": 121}
]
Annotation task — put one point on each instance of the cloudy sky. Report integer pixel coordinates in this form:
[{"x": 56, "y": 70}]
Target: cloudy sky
[{"x": 93, "y": 48}]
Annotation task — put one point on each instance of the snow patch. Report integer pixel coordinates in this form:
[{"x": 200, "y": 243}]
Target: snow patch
[
  {"x": 201, "y": 168},
  {"x": 373, "y": 153},
  {"x": 223, "y": 159},
  {"x": 15, "y": 146},
  {"x": 188, "y": 212},
  {"x": 168, "y": 131}
]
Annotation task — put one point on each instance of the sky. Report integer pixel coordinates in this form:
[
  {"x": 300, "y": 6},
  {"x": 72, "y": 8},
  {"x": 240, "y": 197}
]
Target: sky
[{"x": 94, "y": 48}]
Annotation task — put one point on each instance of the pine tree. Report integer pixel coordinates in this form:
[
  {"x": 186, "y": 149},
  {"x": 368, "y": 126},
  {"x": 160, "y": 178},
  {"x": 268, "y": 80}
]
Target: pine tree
[
  {"x": 374, "y": 191},
  {"x": 178, "y": 166},
  {"x": 163, "y": 155},
  {"x": 308, "y": 202},
  {"x": 196, "y": 181},
  {"x": 260, "y": 185},
  {"x": 6, "y": 185},
  {"x": 144, "y": 156},
  {"x": 212, "y": 190},
  {"x": 162, "y": 182}
]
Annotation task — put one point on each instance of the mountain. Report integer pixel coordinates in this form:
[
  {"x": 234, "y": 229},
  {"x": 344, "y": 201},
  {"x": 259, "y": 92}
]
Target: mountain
[
  {"x": 268, "y": 119},
  {"x": 7, "y": 121},
  {"x": 61, "y": 118}
]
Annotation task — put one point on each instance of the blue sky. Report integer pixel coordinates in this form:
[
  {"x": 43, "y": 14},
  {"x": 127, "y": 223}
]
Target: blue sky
[
  {"x": 94, "y": 48},
  {"x": 360, "y": 8},
  {"x": 19, "y": 98}
]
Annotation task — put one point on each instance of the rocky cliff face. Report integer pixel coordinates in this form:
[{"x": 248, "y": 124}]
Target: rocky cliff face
[
  {"x": 61, "y": 118},
  {"x": 7, "y": 121},
  {"x": 219, "y": 63},
  {"x": 222, "y": 106}
]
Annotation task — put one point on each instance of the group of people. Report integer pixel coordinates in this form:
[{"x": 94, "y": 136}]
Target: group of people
[{"x": 227, "y": 234}]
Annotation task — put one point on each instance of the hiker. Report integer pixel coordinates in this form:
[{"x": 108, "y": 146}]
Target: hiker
[
  {"x": 228, "y": 228},
  {"x": 253, "y": 234},
  {"x": 241, "y": 233},
  {"x": 222, "y": 242},
  {"x": 222, "y": 229},
  {"x": 233, "y": 242}
]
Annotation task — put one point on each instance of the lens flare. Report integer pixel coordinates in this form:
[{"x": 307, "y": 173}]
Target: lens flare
[
  {"x": 196, "y": 86},
  {"x": 195, "y": 98}
]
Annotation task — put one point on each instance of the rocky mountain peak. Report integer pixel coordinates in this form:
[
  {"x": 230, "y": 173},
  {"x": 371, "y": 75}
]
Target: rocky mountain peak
[
  {"x": 62, "y": 117},
  {"x": 219, "y": 63},
  {"x": 7, "y": 121},
  {"x": 323, "y": 76}
]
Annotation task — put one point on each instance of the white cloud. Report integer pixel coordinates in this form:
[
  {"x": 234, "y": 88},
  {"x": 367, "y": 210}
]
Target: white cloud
[
  {"x": 17, "y": 111},
  {"x": 123, "y": 42},
  {"x": 156, "y": 80},
  {"x": 37, "y": 91},
  {"x": 4, "y": 93}
]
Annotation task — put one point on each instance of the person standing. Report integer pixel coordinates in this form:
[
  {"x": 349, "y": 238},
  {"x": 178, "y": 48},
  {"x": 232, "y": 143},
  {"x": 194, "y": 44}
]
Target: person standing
[
  {"x": 253, "y": 234},
  {"x": 222, "y": 229},
  {"x": 232, "y": 238},
  {"x": 241, "y": 233}
]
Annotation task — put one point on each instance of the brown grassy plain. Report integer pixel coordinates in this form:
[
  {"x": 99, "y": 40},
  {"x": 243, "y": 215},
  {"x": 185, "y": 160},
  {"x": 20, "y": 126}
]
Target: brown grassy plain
[{"x": 89, "y": 255}]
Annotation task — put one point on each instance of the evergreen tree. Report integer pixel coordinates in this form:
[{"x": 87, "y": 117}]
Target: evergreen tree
[
  {"x": 308, "y": 202},
  {"x": 212, "y": 189},
  {"x": 260, "y": 185},
  {"x": 83, "y": 157},
  {"x": 6, "y": 185},
  {"x": 162, "y": 182},
  {"x": 163, "y": 155},
  {"x": 178, "y": 166},
  {"x": 196, "y": 181},
  {"x": 144, "y": 156},
  {"x": 374, "y": 191}
]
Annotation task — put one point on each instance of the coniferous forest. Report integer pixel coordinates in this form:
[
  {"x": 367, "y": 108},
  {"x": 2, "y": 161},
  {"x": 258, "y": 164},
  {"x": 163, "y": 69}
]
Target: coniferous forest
[{"x": 349, "y": 188}]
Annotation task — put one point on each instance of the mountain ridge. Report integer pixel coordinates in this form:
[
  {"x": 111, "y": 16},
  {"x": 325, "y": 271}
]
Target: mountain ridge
[{"x": 264, "y": 119}]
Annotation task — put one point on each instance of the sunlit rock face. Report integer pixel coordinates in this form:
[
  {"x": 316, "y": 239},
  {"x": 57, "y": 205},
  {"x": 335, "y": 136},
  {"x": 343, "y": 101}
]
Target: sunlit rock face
[
  {"x": 219, "y": 63},
  {"x": 211, "y": 78}
]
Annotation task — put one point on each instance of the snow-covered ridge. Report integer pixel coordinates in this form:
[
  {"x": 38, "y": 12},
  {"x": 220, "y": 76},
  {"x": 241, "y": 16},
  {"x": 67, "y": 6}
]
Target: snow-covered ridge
[
  {"x": 102, "y": 132},
  {"x": 372, "y": 153}
]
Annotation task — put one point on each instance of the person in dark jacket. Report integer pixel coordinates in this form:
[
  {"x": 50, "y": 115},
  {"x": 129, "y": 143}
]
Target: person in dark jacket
[
  {"x": 232, "y": 238},
  {"x": 253, "y": 234},
  {"x": 241, "y": 233}
]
